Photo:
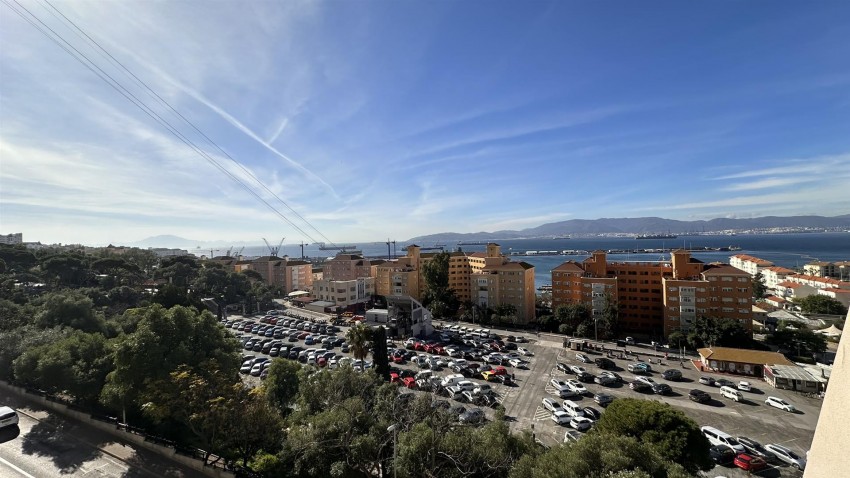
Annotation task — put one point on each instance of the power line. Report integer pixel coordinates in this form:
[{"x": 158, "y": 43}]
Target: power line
[
  {"x": 133, "y": 76},
  {"x": 115, "y": 84}
]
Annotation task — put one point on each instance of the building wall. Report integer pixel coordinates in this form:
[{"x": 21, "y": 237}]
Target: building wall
[
  {"x": 345, "y": 293},
  {"x": 298, "y": 276},
  {"x": 15, "y": 238},
  {"x": 346, "y": 267},
  {"x": 749, "y": 264},
  {"x": 654, "y": 298}
]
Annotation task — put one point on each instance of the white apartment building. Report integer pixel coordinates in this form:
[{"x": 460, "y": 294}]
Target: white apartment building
[
  {"x": 773, "y": 275},
  {"x": 15, "y": 238},
  {"x": 749, "y": 264}
]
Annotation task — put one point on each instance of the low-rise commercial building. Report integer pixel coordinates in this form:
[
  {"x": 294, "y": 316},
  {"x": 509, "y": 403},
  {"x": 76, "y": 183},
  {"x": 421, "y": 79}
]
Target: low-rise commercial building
[
  {"x": 740, "y": 361},
  {"x": 345, "y": 293}
]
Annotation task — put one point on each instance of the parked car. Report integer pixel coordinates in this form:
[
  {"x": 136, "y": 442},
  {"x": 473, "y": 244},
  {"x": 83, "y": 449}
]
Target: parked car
[
  {"x": 786, "y": 455},
  {"x": 572, "y": 435},
  {"x": 780, "y": 404},
  {"x": 562, "y": 367},
  {"x": 575, "y": 369},
  {"x": 640, "y": 386},
  {"x": 474, "y": 415},
  {"x": 722, "y": 454},
  {"x": 552, "y": 405},
  {"x": 671, "y": 374},
  {"x": 582, "y": 358},
  {"x": 722, "y": 382},
  {"x": 561, "y": 417},
  {"x": 755, "y": 448},
  {"x": 639, "y": 367},
  {"x": 745, "y": 386},
  {"x": 592, "y": 413},
  {"x": 581, "y": 423},
  {"x": 576, "y": 387},
  {"x": 749, "y": 463},
  {"x": 525, "y": 351},
  {"x": 630, "y": 341},
  {"x": 617, "y": 378},
  {"x": 707, "y": 380},
  {"x": 8, "y": 417},
  {"x": 662, "y": 389},
  {"x": 603, "y": 399},
  {"x": 562, "y": 388},
  {"x": 605, "y": 380},
  {"x": 604, "y": 363},
  {"x": 585, "y": 377},
  {"x": 699, "y": 396}
]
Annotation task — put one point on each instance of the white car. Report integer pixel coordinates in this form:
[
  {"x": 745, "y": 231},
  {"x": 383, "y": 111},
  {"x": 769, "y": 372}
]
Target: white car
[
  {"x": 454, "y": 353},
  {"x": 552, "y": 405},
  {"x": 780, "y": 404},
  {"x": 745, "y": 386},
  {"x": 572, "y": 435},
  {"x": 581, "y": 423},
  {"x": 577, "y": 370},
  {"x": 561, "y": 417},
  {"x": 525, "y": 351},
  {"x": 576, "y": 387},
  {"x": 559, "y": 385},
  {"x": 518, "y": 363},
  {"x": 8, "y": 417},
  {"x": 647, "y": 380},
  {"x": 787, "y": 455}
]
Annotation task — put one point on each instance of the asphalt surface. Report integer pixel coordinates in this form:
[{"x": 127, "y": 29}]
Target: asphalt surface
[
  {"x": 46, "y": 445},
  {"x": 751, "y": 417}
]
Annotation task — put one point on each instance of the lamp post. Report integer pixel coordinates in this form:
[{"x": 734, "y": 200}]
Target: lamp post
[{"x": 394, "y": 428}]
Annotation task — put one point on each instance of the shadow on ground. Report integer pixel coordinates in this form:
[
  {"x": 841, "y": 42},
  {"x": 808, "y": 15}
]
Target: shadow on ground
[{"x": 51, "y": 438}]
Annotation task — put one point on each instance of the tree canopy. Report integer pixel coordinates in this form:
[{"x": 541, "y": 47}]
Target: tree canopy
[{"x": 820, "y": 304}]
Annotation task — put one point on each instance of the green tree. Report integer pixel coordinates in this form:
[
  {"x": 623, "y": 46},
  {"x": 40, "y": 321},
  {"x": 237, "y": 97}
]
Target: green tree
[
  {"x": 437, "y": 296},
  {"x": 358, "y": 338},
  {"x": 798, "y": 342},
  {"x": 722, "y": 332},
  {"x": 76, "y": 365},
  {"x": 571, "y": 316},
  {"x": 19, "y": 340},
  {"x": 506, "y": 314},
  {"x": 206, "y": 404},
  {"x": 162, "y": 342},
  {"x": 180, "y": 271},
  {"x": 255, "y": 425},
  {"x": 13, "y": 315},
  {"x": 599, "y": 455},
  {"x": 380, "y": 358},
  {"x": 70, "y": 309},
  {"x": 17, "y": 257},
  {"x": 759, "y": 287},
  {"x": 282, "y": 384},
  {"x": 669, "y": 431},
  {"x": 820, "y": 304},
  {"x": 68, "y": 269},
  {"x": 170, "y": 295}
]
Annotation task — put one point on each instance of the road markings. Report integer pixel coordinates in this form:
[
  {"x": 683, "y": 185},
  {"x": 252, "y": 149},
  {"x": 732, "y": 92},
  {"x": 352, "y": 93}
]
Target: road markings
[
  {"x": 541, "y": 413},
  {"x": 12, "y": 466}
]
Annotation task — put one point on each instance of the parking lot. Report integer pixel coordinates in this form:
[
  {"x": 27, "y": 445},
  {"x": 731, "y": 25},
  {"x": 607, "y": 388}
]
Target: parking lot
[{"x": 523, "y": 400}]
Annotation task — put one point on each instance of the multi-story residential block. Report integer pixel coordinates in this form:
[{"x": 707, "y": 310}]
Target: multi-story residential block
[
  {"x": 791, "y": 291},
  {"x": 820, "y": 269},
  {"x": 751, "y": 265},
  {"x": 655, "y": 298},
  {"x": 345, "y": 267},
  {"x": 818, "y": 282},
  {"x": 485, "y": 278},
  {"x": 345, "y": 293},
  {"x": 289, "y": 275},
  {"x": 773, "y": 275},
  {"x": 15, "y": 238}
]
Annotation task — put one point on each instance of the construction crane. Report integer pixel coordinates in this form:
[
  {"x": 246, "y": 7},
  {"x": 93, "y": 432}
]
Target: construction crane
[
  {"x": 390, "y": 251},
  {"x": 273, "y": 251},
  {"x": 239, "y": 252},
  {"x": 229, "y": 251},
  {"x": 302, "y": 249}
]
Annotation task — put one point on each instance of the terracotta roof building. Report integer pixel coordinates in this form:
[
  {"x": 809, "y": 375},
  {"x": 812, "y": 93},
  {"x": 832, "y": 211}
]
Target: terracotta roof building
[{"x": 740, "y": 361}]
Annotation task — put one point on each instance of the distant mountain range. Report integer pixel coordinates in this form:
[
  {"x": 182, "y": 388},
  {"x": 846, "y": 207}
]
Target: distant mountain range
[
  {"x": 177, "y": 242},
  {"x": 644, "y": 225}
]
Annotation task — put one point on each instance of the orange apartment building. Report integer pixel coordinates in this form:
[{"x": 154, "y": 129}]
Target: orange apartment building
[
  {"x": 655, "y": 298},
  {"x": 486, "y": 278},
  {"x": 289, "y": 275}
]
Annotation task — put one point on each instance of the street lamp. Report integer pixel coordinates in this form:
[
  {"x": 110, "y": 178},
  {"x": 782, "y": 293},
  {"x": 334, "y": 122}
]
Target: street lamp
[{"x": 394, "y": 429}]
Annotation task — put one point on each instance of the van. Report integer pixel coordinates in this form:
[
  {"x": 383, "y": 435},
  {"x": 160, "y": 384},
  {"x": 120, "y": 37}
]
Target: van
[
  {"x": 731, "y": 393},
  {"x": 717, "y": 437},
  {"x": 573, "y": 408},
  {"x": 452, "y": 380}
]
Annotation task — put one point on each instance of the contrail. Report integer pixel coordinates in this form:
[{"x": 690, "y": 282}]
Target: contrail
[{"x": 230, "y": 119}]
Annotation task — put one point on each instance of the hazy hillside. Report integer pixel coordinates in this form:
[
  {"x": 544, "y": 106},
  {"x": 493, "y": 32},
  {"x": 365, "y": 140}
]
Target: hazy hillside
[{"x": 640, "y": 225}]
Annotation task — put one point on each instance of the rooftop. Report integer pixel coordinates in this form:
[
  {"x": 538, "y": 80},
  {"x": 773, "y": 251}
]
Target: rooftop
[
  {"x": 727, "y": 354},
  {"x": 755, "y": 260}
]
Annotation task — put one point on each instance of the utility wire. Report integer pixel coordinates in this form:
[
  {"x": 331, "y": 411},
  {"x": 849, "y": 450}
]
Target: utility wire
[
  {"x": 112, "y": 82},
  {"x": 105, "y": 54}
]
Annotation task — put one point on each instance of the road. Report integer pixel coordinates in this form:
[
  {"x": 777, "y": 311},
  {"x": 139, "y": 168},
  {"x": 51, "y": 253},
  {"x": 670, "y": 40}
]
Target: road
[{"x": 47, "y": 445}]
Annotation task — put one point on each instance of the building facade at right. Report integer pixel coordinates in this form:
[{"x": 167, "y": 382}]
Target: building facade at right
[{"x": 654, "y": 299}]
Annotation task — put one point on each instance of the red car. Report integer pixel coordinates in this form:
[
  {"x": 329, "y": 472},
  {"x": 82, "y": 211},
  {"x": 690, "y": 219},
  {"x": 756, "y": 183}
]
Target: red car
[
  {"x": 322, "y": 362},
  {"x": 429, "y": 348},
  {"x": 419, "y": 346},
  {"x": 439, "y": 350},
  {"x": 749, "y": 462},
  {"x": 273, "y": 321},
  {"x": 409, "y": 382},
  {"x": 394, "y": 378},
  {"x": 500, "y": 371}
]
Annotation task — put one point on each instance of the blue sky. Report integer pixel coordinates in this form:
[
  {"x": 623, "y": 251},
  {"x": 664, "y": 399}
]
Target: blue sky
[{"x": 395, "y": 119}]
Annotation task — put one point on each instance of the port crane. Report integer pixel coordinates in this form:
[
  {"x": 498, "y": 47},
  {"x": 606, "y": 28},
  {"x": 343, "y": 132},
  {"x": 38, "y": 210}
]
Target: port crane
[{"x": 273, "y": 251}]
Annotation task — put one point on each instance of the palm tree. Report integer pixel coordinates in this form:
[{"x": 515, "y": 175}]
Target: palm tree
[{"x": 358, "y": 338}]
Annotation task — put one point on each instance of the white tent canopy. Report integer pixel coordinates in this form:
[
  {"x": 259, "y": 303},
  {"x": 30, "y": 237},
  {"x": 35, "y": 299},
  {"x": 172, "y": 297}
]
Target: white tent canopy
[
  {"x": 297, "y": 293},
  {"x": 831, "y": 331}
]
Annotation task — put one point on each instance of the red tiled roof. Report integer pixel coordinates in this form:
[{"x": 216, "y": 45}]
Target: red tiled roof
[
  {"x": 756, "y": 260},
  {"x": 790, "y": 285},
  {"x": 775, "y": 299},
  {"x": 723, "y": 269},
  {"x": 569, "y": 266},
  {"x": 779, "y": 270}
]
